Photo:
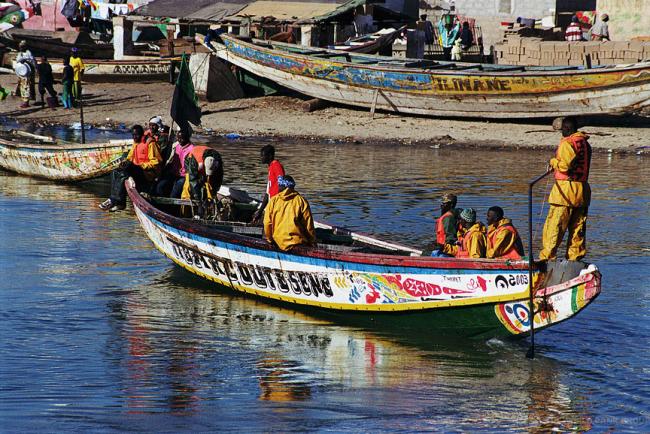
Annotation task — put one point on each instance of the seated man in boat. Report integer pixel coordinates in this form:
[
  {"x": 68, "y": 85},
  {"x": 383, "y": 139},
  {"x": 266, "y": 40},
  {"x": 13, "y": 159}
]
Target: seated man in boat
[
  {"x": 503, "y": 239},
  {"x": 446, "y": 224},
  {"x": 203, "y": 177},
  {"x": 143, "y": 164},
  {"x": 276, "y": 170},
  {"x": 288, "y": 221},
  {"x": 472, "y": 242},
  {"x": 173, "y": 175},
  {"x": 159, "y": 133}
]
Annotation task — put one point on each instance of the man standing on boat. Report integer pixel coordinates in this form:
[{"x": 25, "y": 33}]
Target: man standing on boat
[
  {"x": 473, "y": 242},
  {"x": 288, "y": 221},
  {"x": 503, "y": 239},
  {"x": 446, "y": 224},
  {"x": 275, "y": 171},
  {"x": 570, "y": 196},
  {"x": 142, "y": 164},
  {"x": 204, "y": 176}
]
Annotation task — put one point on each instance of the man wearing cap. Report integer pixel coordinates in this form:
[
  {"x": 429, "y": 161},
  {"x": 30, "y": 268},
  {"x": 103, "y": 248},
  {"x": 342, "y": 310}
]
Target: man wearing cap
[
  {"x": 473, "y": 242},
  {"x": 446, "y": 224},
  {"x": 78, "y": 67},
  {"x": 600, "y": 30},
  {"x": 203, "y": 175},
  {"x": 503, "y": 240},
  {"x": 288, "y": 221},
  {"x": 158, "y": 133},
  {"x": 570, "y": 196}
]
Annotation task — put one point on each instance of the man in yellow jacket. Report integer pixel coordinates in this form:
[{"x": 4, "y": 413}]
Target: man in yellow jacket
[
  {"x": 503, "y": 240},
  {"x": 143, "y": 164},
  {"x": 570, "y": 196},
  {"x": 472, "y": 242},
  {"x": 287, "y": 218}
]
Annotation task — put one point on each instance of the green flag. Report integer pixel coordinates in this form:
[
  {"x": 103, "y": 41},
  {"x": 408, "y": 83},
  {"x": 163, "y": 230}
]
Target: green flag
[{"x": 185, "y": 107}]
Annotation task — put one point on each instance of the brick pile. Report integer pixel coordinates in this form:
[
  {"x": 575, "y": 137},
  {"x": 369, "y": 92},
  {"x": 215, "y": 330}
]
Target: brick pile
[{"x": 517, "y": 50}]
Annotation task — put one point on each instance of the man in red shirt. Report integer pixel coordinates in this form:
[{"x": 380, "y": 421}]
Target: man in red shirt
[{"x": 275, "y": 170}]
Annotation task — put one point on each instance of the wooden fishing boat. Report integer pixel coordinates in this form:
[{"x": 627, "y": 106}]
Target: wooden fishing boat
[
  {"x": 370, "y": 44},
  {"x": 98, "y": 70},
  {"x": 443, "y": 88},
  {"x": 45, "y": 157},
  {"x": 56, "y": 44},
  {"x": 364, "y": 279}
]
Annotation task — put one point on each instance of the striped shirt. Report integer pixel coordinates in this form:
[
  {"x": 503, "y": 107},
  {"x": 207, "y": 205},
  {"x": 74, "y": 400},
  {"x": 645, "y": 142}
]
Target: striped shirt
[{"x": 573, "y": 32}]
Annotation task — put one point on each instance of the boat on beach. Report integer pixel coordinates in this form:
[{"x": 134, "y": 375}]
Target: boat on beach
[
  {"x": 448, "y": 89},
  {"x": 369, "y": 44},
  {"x": 49, "y": 158},
  {"x": 99, "y": 70},
  {"x": 56, "y": 44},
  {"x": 360, "y": 278}
]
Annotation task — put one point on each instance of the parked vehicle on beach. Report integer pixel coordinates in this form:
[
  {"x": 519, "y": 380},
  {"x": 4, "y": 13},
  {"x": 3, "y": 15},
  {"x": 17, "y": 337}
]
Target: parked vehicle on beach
[
  {"x": 439, "y": 88},
  {"x": 363, "y": 279},
  {"x": 46, "y": 157}
]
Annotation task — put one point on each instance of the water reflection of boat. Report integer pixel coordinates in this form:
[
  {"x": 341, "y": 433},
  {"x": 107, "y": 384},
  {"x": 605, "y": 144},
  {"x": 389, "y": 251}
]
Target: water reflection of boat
[
  {"x": 46, "y": 157},
  {"x": 443, "y": 88},
  {"x": 374, "y": 281}
]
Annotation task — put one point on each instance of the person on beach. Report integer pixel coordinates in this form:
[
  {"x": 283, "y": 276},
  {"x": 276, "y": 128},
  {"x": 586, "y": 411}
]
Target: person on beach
[
  {"x": 67, "y": 81},
  {"x": 448, "y": 32},
  {"x": 600, "y": 30},
  {"x": 446, "y": 224},
  {"x": 26, "y": 74},
  {"x": 472, "y": 242},
  {"x": 45, "y": 79},
  {"x": 78, "y": 68},
  {"x": 203, "y": 177},
  {"x": 173, "y": 176},
  {"x": 288, "y": 221},
  {"x": 573, "y": 32},
  {"x": 142, "y": 164},
  {"x": 503, "y": 240},
  {"x": 571, "y": 194},
  {"x": 276, "y": 170}
]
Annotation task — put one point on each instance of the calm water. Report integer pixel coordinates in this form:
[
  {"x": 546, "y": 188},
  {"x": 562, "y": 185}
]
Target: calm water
[{"x": 100, "y": 332}]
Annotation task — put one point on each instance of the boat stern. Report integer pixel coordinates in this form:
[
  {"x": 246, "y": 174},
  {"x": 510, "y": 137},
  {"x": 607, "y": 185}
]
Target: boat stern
[{"x": 566, "y": 288}]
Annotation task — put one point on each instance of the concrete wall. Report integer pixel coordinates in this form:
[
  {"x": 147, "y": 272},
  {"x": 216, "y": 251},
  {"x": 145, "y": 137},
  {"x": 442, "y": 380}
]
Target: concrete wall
[
  {"x": 627, "y": 18},
  {"x": 490, "y": 13}
]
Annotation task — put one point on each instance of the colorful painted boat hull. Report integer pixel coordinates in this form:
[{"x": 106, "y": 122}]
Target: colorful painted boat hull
[
  {"x": 534, "y": 93},
  {"x": 65, "y": 162},
  {"x": 461, "y": 297}
]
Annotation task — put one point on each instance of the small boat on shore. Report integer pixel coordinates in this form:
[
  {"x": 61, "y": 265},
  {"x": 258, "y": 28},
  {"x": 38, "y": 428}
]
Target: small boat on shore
[
  {"x": 56, "y": 44},
  {"x": 49, "y": 158},
  {"x": 98, "y": 70},
  {"x": 439, "y": 88},
  {"x": 363, "y": 279},
  {"x": 369, "y": 44}
]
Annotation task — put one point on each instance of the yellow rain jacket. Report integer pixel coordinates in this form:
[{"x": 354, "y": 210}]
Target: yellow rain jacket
[
  {"x": 505, "y": 242},
  {"x": 472, "y": 243},
  {"x": 288, "y": 221},
  {"x": 574, "y": 194},
  {"x": 146, "y": 154}
]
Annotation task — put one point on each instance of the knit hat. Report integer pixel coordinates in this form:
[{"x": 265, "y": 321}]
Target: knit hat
[
  {"x": 469, "y": 215},
  {"x": 286, "y": 181},
  {"x": 448, "y": 198}
]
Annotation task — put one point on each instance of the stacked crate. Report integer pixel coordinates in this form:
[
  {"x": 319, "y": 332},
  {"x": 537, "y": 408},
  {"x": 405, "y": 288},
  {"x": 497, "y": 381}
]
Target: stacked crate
[{"x": 517, "y": 50}]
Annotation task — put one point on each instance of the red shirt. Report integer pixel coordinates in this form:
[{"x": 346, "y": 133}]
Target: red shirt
[{"x": 275, "y": 170}]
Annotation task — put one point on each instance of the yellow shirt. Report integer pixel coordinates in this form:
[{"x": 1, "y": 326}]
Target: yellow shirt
[
  {"x": 574, "y": 194},
  {"x": 288, "y": 221},
  {"x": 502, "y": 242},
  {"x": 152, "y": 165},
  {"x": 77, "y": 67}
]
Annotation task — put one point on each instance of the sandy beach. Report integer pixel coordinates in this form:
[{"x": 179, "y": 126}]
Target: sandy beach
[{"x": 109, "y": 104}]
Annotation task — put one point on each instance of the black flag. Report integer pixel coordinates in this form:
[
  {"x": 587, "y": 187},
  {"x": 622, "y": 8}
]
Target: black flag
[{"x": 185, "y": 107}]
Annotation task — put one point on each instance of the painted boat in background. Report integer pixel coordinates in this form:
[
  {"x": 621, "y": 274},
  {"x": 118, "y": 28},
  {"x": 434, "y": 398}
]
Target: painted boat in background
[
  {"x": 98, "y": 70},
  {"x": 370, "y": 44},
  {"x": 56, "y": 44},
  {"x": 443, "y": 88},
  {"x": 45, "y": 157},
  {"x": 360, "y": 278}
]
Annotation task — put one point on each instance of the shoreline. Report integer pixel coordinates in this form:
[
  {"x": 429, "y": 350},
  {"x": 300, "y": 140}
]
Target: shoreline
[{"x": 281, "y": 118}]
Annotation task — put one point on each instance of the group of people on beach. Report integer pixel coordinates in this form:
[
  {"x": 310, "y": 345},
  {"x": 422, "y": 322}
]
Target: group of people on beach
[
  {"x": 27, "y": 68},
  {"x": 188, "y": 171}
]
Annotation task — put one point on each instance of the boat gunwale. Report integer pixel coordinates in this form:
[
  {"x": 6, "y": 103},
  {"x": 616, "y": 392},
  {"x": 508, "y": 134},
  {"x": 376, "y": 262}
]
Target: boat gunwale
[
  {"x": 64, "y": 146},
  {"x": 528, "y": 73},
  {"x": 425, "y": 262}
]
